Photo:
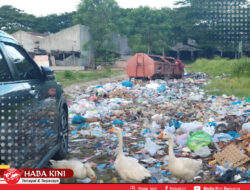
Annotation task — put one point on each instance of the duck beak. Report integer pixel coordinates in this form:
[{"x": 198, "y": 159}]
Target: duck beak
[
  {"x": 160, "y": 136},
  {"x": 111, "y": 130},
  {"x": 93, "y": 179}
]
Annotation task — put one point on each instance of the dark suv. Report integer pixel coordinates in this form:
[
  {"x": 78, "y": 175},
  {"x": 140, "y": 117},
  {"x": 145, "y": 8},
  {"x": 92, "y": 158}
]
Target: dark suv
[{"x": 33, "y": 110}]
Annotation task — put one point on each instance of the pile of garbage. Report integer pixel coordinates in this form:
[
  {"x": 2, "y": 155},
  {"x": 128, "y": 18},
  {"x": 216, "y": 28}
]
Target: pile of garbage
[{"x": 215, "y": 129}]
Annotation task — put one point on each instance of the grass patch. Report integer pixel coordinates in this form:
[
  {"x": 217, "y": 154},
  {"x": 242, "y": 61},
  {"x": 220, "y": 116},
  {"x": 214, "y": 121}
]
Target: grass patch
[
  {"x": 68, "y": 77},
  {"x": 219, "y": 66},
  {"x": 230, "y": 86},
  {"x": 238, "y": 70}
]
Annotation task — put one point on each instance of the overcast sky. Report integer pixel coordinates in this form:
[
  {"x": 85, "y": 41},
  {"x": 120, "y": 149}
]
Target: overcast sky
[{"x": 45, "y": 7}]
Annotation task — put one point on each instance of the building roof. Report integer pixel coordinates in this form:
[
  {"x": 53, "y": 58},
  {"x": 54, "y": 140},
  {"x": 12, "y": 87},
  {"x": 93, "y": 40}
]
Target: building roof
[
  {"x": 37, "y": 34},
  {"x": 184, "y": 47}
]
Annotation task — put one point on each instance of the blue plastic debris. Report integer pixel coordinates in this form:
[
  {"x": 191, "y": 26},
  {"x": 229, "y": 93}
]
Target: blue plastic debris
[
  {"x": 98, "y": 145},
  {"x": 157, "y": 165},
  {"x": 179, "y": 114},
  {"x": 234, "y": 134},
  {"x": 162, "y": 88},
  {"x": 236, "y": 103},
  {"x": 212, "y": 124},
  {"x": 127, "y": 84},
  {"x": 155, "y": 180},
  {"x": 74, "y": 132},
  {"x": 174, "y": 123},
  {"x": 99, "y": 86},
  {"x": 80, "y": 126},
  {"x": 118, "y": 122},
  {"x": 145, "y": 131},
  {"x": 111, "y": 166},
  {"x": 78, "y": 119},
  {"x": 100, "y": 167},
  {"x": 86, "y": 125}
]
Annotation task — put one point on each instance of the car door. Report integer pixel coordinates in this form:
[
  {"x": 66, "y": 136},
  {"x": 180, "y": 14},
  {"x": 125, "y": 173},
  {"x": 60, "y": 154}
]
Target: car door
[
  {"x": 37, "y": 120},
  {"x": 12, "y": 147}
]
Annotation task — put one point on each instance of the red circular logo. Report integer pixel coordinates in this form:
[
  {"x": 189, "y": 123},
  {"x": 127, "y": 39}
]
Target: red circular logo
[{"x": 12, "y": 176}]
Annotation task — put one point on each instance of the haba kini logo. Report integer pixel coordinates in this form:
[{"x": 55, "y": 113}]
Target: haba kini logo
[
  {"x": 35, "y": 176},
  {"x": 12, "y": 176}
]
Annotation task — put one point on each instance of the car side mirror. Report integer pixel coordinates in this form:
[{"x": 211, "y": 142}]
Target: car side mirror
[{"x": 48, "y": 73}]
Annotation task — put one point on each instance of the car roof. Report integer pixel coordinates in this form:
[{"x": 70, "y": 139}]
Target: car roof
[{"x": 4, "y": 37}]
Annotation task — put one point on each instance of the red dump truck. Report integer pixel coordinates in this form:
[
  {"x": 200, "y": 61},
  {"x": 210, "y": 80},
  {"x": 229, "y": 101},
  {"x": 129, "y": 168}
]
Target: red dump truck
[{"x": 143, "y": 65}]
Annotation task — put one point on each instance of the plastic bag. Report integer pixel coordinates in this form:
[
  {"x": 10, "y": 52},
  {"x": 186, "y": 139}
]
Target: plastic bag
[
  {"x": 203, "y": 152},
  {"x": 224, "y": 137},
  {"x": 169, "y": 129},
  {"x": 209, "y": 130},
  {"x": 246, "y": 126},
  {"x": 154, "y": 127},
  {"x": 191, "y": 127},
  {"x": 157, "y": 117},
  {"x": 181, "y": 140},
  {"x": 152, "y": 85},
  {"x": 198, "y": 140},
  {"x": 118, "y": 122},
  {"x": 151, "y": 147},
  {"x": 78, "y": 119},
  {"x": 127, "y": 84},
  {"x": 174, "y": 123},
  {"x": 162, "y": 88}
]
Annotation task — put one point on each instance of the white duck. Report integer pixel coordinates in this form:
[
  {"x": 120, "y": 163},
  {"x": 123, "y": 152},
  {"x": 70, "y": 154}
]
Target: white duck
[
  {"x": 127, "y": 167},
  {"x": 81, "y": 171},
  {"x": 184, "y": 168}
]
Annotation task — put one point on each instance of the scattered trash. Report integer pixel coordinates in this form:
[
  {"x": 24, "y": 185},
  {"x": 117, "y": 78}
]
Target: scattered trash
[
  {"x": 203, "y": 127},
  {"x": 234, "y": 176}
]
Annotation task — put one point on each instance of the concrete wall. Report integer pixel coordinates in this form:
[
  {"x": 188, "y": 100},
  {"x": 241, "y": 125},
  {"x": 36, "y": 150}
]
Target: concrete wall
[
  {"x": 65, "y": 40},
  {"x": 27, "y": 40},
  {"x": 70, "y": 39},
  {"x": 69, "y": 61}
]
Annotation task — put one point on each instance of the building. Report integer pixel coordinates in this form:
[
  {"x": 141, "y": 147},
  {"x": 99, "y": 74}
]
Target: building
[
  {"x": 65, "y": 48},
  {"x": 185, "y": 50},
  {"x": 30, "y": 41}
]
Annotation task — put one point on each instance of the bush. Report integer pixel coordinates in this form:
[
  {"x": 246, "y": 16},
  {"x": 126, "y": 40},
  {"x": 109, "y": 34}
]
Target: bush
[
  {"x": 241, "y": 68},
  {"x": 68, "y": 75}
]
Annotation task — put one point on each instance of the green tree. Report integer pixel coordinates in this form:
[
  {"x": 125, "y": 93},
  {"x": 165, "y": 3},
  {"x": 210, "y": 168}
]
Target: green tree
[
  {"x": 98, "y": 15},
  {"x": 13, "y": 19},
  {"x": 54, "y": 23},
  {"x": 148, "y": 29}
]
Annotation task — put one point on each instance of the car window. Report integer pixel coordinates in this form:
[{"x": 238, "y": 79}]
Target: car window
[
  {"x": 5, "y": 74},
  {"x": 24, "y": 67}
]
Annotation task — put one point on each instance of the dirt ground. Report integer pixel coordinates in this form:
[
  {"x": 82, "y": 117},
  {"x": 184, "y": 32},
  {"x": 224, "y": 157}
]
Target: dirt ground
[{"x": 101, "y": 81}]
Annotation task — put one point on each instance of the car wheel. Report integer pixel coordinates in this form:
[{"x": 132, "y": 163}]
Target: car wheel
[{"x": 63, "y": 135}]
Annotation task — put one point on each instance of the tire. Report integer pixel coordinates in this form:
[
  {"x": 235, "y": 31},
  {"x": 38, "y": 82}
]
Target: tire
[{"x": 63, "y": 135}]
